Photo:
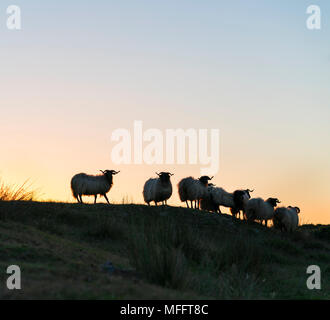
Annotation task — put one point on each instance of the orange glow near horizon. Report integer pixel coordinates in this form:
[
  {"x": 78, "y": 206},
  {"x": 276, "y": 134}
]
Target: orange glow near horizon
[{"x": 128, "y": 185}]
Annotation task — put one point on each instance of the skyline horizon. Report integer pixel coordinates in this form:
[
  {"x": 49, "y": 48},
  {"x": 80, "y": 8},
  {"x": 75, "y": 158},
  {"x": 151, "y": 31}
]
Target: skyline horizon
[{"x": 76, "y": 72}]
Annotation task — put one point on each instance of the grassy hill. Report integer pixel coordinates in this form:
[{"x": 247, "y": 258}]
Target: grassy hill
[{"x": 76, "y": 251}]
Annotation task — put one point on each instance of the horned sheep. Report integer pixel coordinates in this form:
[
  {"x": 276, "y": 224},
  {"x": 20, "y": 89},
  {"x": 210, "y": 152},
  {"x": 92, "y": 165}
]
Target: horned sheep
[
  {"x": 286, "y": 219},
  {"x": 158, "y": 189},
  {"x": 217, "y": 197},
  {"x": 193, "y": 190},
  {"x": 241, "y": 198},
  {"x": 259, "y": 209},
  {"x": 92, "y": 185}
]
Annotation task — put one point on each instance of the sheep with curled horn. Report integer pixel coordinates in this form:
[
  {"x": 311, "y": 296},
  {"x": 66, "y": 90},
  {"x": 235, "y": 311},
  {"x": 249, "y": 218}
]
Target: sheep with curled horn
[
  {"x": 241, "y": 198},
  {"x": 158, "y": 189},
  {"x": 83, "y": 184},
  {"x": 193, "y": 190},
  {"x": 286, "y": 218},
  {"x": 259, "y": 209}
]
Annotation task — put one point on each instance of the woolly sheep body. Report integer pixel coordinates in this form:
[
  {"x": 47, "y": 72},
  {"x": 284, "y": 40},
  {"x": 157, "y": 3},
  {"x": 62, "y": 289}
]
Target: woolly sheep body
[
  {"x": 156, "y": 190},
  {"x": 207, "y": 202},
  {"x": 91, "y": 185},
  {"x": 191, "y": 189},
  {"x": 241, "y": 198},
  {"x": 222, "y": 198},
  {"x": 286, "y": 218},
  {"x": 259, "y": 209}
]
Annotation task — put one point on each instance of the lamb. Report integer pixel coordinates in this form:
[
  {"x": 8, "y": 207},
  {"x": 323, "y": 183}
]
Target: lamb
[
  {"x": 92, "y": 185},
  {"x": 191, "y": 189},
  {"x": 258, "y": 209},
  {"x": 286, "y": 219},
  {"x": 158, "y": 189},
  {"x": 241, "y": 198}
]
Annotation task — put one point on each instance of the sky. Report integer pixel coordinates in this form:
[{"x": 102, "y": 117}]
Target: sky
[{"x": 79, "y": 70}]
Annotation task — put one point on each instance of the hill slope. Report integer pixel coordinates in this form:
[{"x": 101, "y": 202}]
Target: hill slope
[{"x": 73, "y": 251}]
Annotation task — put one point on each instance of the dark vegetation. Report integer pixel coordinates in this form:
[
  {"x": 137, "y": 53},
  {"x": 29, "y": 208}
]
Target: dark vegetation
[{"x": 64, "y": 251}]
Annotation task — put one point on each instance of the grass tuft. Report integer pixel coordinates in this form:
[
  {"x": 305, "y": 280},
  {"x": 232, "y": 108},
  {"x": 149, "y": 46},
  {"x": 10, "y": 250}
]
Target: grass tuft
[{"x": 17, "y": 192}]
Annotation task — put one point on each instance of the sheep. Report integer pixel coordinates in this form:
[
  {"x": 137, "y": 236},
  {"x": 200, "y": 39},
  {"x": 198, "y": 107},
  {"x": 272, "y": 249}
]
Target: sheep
[
  {"x": 217, "y": 197},
  {"x": 191, "y": 189},
  {"x": 258, "y": 209},
  {"x": 158, "y": 189},
  {"x": 207, "y": 202},
  {"x": 286, "y": 219},
  {"x": 91, "y": 185},
  {"x": 220, "y": 197},
  {"x": 241, "y": 198}
]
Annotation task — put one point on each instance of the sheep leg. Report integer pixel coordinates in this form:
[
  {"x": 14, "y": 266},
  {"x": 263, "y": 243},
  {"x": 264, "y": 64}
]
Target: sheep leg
[
  {"x": 95, "y": 196},
  {"x": 81, "y": 201},
  {"x": 191, "y": 204},
  {"x": 187, "y": 204},
  {"x": 155, "y": 203},
  {"x": 106, "y": 198}
]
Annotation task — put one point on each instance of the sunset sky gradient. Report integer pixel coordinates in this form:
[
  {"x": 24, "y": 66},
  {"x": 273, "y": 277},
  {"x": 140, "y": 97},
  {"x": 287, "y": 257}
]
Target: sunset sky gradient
[{"x": 78, "y": 70}]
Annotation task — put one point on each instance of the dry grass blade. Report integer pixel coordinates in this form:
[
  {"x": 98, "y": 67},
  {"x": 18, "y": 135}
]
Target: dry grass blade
[{"x": 16, "y": 192}]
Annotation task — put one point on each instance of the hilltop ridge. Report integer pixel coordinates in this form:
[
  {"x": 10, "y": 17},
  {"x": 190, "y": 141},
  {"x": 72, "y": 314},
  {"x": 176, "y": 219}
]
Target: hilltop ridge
[{"x": 81, "y": 251}]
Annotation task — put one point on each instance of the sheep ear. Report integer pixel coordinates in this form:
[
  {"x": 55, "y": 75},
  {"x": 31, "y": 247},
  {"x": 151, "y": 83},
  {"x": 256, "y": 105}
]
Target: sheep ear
[
  {"x": 158, "y": 174},
  {"x": 102, "y": 171},
  {"x": 171, "y": 174},
  {"x": 211, "y": 177},
  {"x": 115, "y": 172},
  {"x": 298, "y": 210}
]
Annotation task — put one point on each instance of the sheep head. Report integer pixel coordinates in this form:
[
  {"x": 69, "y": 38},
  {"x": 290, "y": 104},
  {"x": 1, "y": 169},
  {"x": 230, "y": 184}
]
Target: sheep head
[
  {"x": 108, "y": 174},
  {"x": 205, "y": 180},
  {"x": 112, "y": 172},
  {"x": 164, "y": 176},
  {"x": 273, "y": 201},
  {"x": 247, "y": 192}
]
